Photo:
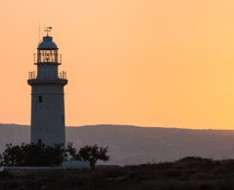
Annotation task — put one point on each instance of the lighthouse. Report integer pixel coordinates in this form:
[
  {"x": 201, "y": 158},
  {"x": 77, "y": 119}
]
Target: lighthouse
[{"x": 47, "y": 94}]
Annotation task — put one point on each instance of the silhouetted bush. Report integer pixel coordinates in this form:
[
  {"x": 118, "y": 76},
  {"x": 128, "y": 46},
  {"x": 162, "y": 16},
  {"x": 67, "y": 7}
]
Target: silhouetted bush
[
  {"x": 89, "y": 153},
  {"x": 37, "y": 154},
  {"x": 71, "y": 153}
]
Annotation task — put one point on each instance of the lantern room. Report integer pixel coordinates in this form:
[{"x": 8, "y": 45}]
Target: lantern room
[{"x": 47, "y": 52}]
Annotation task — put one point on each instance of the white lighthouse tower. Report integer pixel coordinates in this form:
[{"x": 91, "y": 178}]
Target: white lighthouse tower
[{"x": 47, "y": 104}]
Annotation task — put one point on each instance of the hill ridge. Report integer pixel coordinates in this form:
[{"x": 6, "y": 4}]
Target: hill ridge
[{"x": 135, "y": 145}]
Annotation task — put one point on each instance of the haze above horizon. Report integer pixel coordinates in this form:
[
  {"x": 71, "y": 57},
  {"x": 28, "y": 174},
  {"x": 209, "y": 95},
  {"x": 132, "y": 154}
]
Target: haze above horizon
[{"x": 141, "y": 62}]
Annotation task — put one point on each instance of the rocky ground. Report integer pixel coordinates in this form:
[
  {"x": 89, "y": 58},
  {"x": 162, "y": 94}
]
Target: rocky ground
[{"x": 186, "y": 174}]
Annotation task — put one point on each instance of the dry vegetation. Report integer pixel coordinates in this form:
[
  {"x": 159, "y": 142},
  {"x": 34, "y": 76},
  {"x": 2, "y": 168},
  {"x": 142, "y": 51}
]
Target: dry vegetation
[{"x": 186, "y": 174}]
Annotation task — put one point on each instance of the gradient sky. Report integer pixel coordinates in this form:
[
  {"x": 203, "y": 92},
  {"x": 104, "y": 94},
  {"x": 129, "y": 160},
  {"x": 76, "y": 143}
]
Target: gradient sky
[{"x": 145, "y": 62}]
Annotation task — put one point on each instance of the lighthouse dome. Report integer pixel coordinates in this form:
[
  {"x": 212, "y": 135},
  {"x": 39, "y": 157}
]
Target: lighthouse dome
[{"x": 47, "y": 44}]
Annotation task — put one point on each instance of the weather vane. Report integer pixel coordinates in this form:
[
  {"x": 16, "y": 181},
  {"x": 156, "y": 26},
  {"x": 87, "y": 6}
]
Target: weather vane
[{"x": 48, "y": 30}]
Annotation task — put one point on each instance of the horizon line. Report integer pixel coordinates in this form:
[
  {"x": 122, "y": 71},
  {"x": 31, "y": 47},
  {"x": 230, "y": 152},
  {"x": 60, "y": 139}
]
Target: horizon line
[{"x": 127, "y": 125}]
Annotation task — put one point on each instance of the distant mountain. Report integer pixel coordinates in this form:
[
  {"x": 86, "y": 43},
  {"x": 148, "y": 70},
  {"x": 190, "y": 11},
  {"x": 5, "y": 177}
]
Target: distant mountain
[{"x": 134, "y": 145}]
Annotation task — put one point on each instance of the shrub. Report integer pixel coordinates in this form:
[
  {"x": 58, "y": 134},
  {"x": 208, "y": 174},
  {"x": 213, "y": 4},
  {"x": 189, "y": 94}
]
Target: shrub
[
  {"x": 92, "y": 154},
  {"x": 32, "y": 155}
]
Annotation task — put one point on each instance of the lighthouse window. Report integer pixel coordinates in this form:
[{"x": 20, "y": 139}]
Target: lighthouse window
[{"x": 40, "y": 99}]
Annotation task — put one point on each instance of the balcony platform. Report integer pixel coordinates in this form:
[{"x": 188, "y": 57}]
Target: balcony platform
[{"x": 58, "y": 81}]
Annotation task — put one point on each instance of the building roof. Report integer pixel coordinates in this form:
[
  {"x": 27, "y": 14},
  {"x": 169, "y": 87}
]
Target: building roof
[{"x": 47, "y": 44}]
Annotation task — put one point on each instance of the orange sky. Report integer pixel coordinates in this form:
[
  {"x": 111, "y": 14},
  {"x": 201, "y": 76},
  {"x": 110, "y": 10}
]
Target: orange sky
[{"x": 146, "y": 62}]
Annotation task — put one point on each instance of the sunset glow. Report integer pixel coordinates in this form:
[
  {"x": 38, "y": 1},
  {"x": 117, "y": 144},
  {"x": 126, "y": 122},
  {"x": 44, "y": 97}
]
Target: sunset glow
[{"x": 143, "y": 62}]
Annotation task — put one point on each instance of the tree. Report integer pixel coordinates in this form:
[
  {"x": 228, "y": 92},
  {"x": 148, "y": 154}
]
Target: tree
[
  {"x": 37, "y": 154},
  {"x": 12, "y": 155},
  {"x": 71, "y": 153},
  {"x": 92, "y": 154}
]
